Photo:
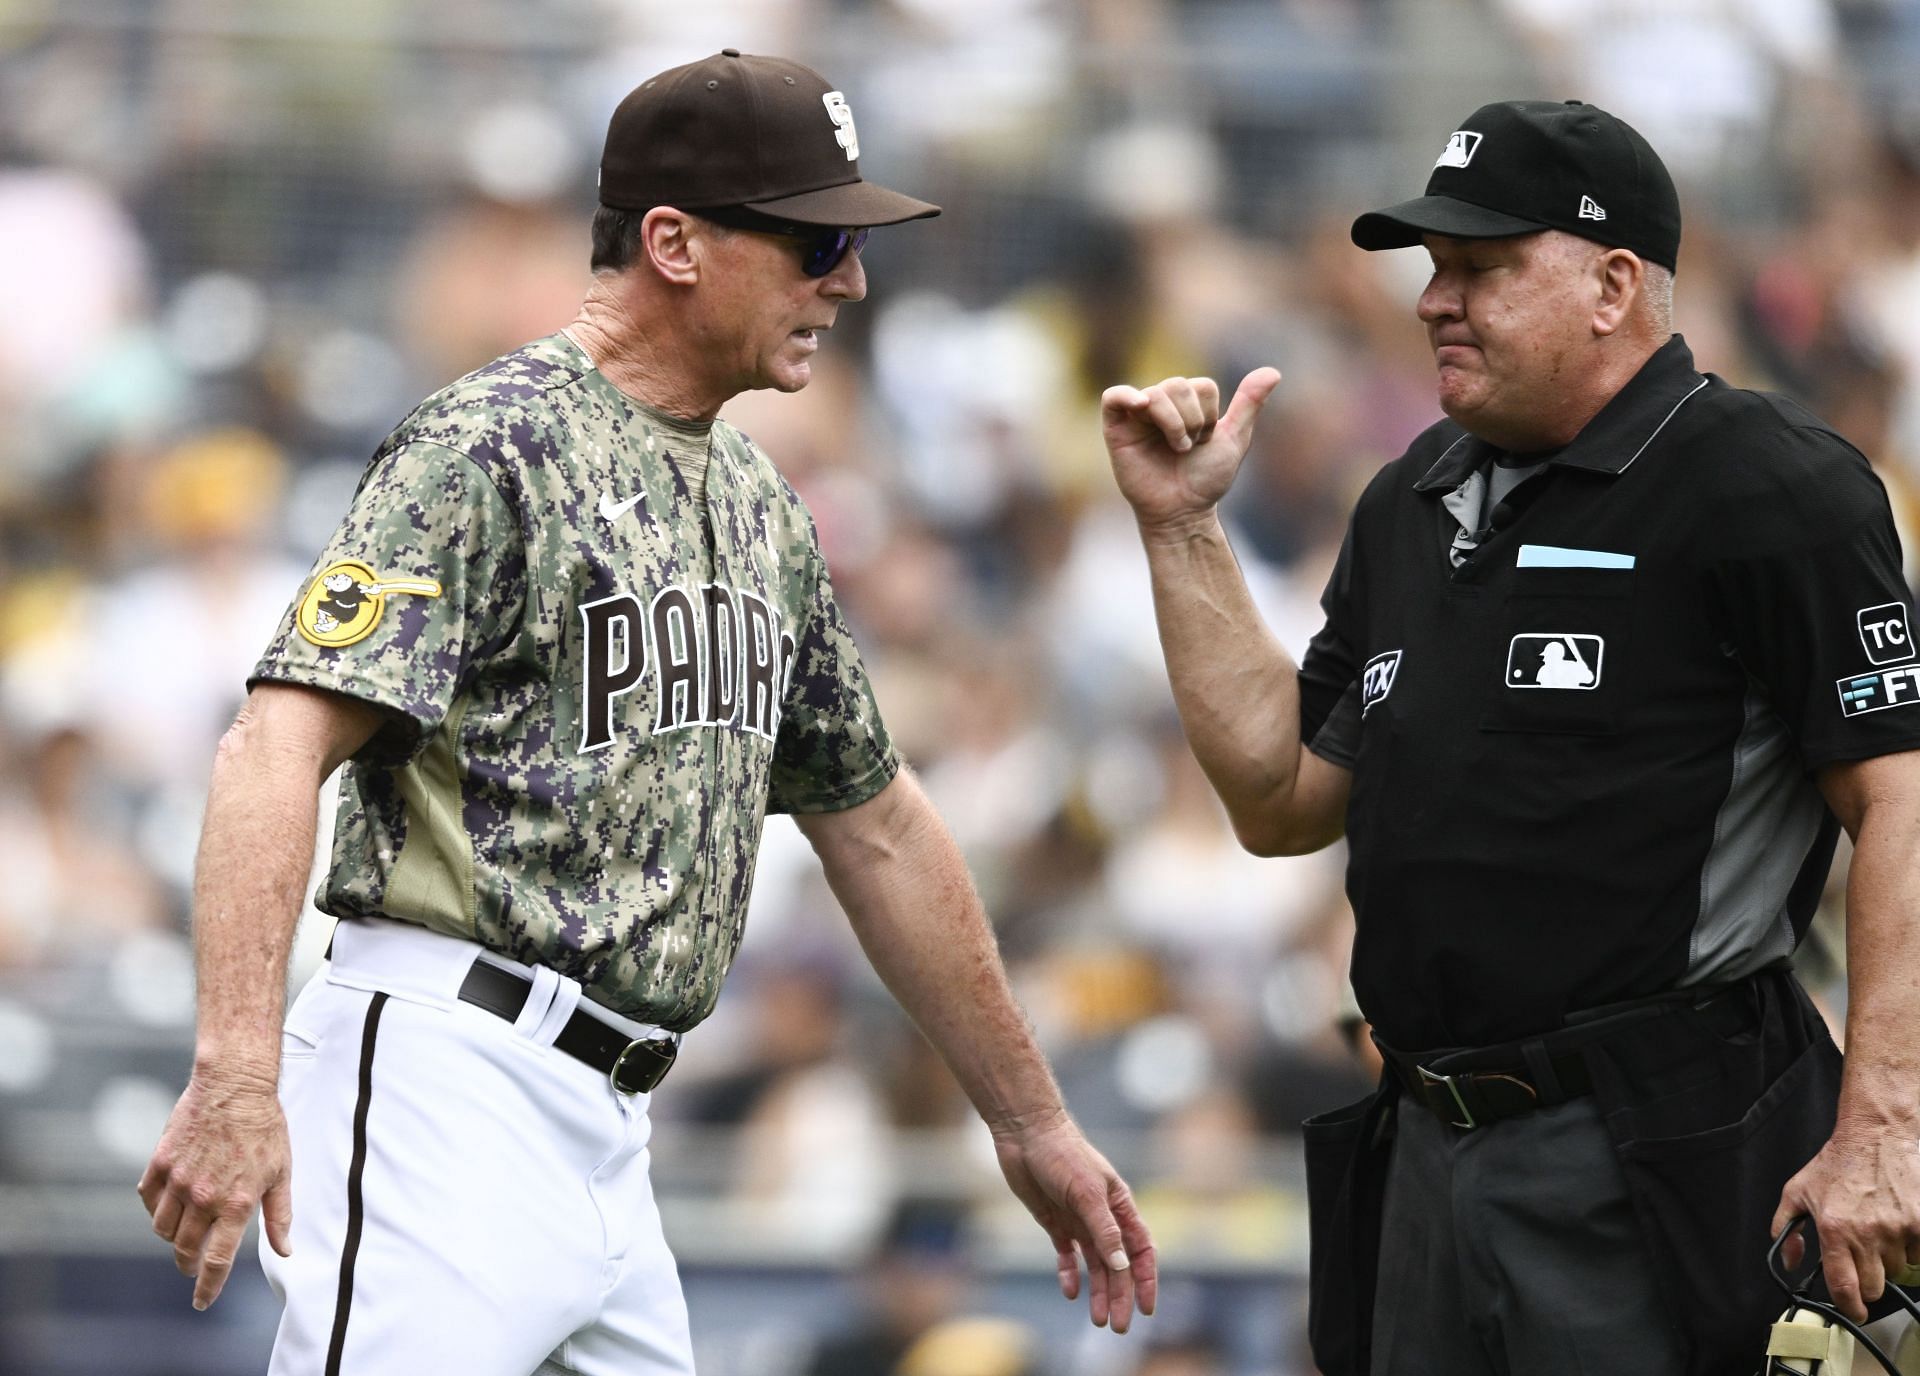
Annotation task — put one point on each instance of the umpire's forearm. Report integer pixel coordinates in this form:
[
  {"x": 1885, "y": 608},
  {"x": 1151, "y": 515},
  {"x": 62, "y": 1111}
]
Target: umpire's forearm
[
  {"x": 1882, "y": 1080},
  {"x": 900, "y": 877},
  {"x": 1237, "y": 691}
]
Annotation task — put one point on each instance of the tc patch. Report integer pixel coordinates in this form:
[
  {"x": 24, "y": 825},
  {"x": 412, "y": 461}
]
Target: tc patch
[
  {"x": 1559, "y": 660},
  {"x": 1863, "y": 693},
  {"x": 1884, "y": 634},
  {"x": 1376, "y": 679},
  {"x": 345, "y": 602}
]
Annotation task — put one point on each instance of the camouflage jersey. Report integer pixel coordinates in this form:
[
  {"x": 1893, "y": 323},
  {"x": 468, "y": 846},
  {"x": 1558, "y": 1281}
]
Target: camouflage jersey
[{"x": 598, "y": 682}]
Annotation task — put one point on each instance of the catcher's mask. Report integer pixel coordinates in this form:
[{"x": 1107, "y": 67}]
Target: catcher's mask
[{"x": 1813, "y": 1338}]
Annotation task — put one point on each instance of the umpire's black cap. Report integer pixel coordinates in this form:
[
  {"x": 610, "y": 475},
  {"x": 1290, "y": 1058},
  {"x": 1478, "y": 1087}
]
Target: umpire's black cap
[
  {"x": 1518, "y": 166},
  {"x": 734, "y": 130}
]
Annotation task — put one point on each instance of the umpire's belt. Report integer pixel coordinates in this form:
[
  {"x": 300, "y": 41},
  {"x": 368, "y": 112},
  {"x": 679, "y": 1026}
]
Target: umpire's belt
[
  {"x": 633, "y": 1066},
  {"x": 1470, "y": 1088}
]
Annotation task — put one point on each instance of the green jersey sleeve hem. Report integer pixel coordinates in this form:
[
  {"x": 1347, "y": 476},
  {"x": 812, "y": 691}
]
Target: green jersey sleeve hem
[
  {"x": 862, "y": 789},
  {"x": 394, "y": 744}
]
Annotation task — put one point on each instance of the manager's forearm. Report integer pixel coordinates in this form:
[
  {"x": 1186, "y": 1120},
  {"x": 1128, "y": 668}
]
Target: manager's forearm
[
  {"x": 1237, "y": 691},
  {"x": 256, "y": 852},
  {"x": 911, "y": 902}
]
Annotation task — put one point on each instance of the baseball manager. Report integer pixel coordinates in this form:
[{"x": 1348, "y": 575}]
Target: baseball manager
[
  {"x": 573, "y": 640},
  {"x": 1611, "y": 654}
]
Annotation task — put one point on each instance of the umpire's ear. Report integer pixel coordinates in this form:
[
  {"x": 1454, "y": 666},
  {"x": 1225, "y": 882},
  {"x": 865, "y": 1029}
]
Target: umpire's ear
[{"x": 1621, "y": 283}]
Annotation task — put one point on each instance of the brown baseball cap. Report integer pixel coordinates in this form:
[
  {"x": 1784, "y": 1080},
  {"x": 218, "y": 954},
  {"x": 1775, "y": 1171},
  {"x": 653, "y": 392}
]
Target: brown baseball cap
[{"x": 735, "y": 130}]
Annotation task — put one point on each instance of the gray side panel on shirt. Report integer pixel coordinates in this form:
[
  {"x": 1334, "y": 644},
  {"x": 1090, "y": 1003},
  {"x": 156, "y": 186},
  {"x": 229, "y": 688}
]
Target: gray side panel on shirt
[{"x": 1761, "y": 836}]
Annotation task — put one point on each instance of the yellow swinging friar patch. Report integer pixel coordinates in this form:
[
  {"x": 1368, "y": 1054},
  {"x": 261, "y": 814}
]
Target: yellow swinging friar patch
[{"x": 345, "y": 601}]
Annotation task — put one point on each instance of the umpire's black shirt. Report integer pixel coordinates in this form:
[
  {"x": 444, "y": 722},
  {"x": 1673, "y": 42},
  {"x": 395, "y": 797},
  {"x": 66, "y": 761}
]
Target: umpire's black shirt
[{"x": 1581, "y": 759}]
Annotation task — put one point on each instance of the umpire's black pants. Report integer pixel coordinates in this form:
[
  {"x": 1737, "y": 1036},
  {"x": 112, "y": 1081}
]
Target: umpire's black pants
[{"x": 1512, "y": 1250}]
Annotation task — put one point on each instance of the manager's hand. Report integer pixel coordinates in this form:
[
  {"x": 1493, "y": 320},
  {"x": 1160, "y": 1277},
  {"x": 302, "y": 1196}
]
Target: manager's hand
[
  {"x": 1081, "y": 1201},
  {"x": 1174, "y": 455},
  {"x": 224, "y": 1153}
]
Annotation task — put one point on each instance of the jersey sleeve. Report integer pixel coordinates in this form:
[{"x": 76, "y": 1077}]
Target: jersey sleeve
[
  {"x": 831, "y": 750},
  {"x": 423, "y": 581},
  {"x": 1330, "y": 671},
  {"x": 1813, "y": 604}
]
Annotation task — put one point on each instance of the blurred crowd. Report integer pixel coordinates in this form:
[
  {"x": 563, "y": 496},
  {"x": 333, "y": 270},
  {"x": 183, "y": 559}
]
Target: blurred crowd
[{"x": 239, "y": 238}]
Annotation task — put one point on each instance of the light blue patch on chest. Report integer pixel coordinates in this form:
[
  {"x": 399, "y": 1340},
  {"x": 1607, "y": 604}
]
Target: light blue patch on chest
[{"x": 1559, "y": 557}]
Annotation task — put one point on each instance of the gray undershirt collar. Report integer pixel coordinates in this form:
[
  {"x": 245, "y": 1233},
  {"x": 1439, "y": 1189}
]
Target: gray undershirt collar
[
  {"x": 686, "y": 443},
  {"x": 1472, "y": 502}
]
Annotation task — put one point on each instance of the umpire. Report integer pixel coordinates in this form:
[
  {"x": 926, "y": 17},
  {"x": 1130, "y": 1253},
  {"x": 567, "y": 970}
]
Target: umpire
[
  {"x": 1611, "y": 653},
  {"x": 594, "y": 642}
]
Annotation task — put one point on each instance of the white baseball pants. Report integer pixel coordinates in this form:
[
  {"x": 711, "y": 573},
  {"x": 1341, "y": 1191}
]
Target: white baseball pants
[{"x": 466, "y": 1198}]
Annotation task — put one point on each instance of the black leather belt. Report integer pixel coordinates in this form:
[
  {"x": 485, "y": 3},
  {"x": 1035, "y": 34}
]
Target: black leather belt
[
  {"x": 1471, "y": 1088},
  {"x": 1471, "y": 1098},
  {"x": 632, "y": 1067}
]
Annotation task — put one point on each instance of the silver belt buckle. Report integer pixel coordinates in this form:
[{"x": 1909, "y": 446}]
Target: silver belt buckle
[
  {"x": 649, "y": 1069},
  {"x": 1466, "y": 1114}
]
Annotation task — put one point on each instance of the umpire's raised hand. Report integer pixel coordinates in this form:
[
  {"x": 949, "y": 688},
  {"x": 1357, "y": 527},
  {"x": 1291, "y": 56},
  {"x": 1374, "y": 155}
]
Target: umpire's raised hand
[{"x": 1174, "y": 455}]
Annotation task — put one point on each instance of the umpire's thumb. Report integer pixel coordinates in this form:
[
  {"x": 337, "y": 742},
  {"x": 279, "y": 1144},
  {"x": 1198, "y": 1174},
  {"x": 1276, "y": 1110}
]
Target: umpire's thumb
[
  {"x": 276, "y": 1215},
  {"x": 1244, "y": 409}
]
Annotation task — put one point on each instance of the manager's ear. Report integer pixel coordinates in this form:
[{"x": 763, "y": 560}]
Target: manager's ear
[
  {"x": 1622, "y": 278},
  {"x": 669, "y": 238}
]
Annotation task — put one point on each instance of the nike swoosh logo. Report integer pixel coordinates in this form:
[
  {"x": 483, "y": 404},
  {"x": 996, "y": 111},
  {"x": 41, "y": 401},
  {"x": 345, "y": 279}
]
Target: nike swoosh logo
[{"x": 613, "y": 510}]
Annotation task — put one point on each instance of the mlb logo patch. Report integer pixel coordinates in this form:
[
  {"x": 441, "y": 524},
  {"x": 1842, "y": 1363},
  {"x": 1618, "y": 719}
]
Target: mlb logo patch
[
  {"x": 1376, "y": 679},
  {"x": 1561, "y": 659},
  {"x": 1884, "y": 633},
  {"x": 1462, "y": 144}
]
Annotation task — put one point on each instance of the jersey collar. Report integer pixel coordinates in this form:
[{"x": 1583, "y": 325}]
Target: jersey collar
[{"x": 1613, "y": 439}]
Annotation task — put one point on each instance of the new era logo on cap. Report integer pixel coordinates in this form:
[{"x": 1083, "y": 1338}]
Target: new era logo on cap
[
  {"x": 1589, "y": 210},
  {"x": 1461, "y": 147}
]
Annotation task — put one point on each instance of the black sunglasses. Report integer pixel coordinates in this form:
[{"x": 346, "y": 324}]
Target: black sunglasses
[{"x": 822, "y": 248}]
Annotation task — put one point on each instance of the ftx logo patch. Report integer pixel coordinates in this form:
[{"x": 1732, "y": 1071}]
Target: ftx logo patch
[
  {"x": 1559, "y": 660},
  {"x": 1876, "y": 692},
  {"x": 1884, "y": 633},
  {"x": 1376, "y": 680}
]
